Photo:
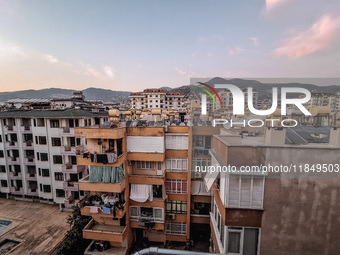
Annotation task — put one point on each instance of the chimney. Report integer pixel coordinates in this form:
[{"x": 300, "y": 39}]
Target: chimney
[
  {"x": 334, "y": 137},
  {"x": 275, "y": 136}
]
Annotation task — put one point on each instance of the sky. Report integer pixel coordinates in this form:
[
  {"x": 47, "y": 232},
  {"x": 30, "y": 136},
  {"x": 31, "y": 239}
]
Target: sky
[{"x": 131, "y": 45}]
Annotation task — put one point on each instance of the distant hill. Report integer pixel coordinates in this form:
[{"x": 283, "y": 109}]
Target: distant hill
[
  {"x": 264, "y": 89},
  {"x": 90, "y": 94},
  {"x": 107, "y": 95}
]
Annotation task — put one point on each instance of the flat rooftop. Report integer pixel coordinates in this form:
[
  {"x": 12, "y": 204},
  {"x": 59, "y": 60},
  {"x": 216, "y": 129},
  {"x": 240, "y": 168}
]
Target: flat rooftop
[{"x": 38, "y": 227}]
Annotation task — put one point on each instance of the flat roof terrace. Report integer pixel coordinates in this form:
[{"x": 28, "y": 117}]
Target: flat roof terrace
[{"x": 38, "y": 227}]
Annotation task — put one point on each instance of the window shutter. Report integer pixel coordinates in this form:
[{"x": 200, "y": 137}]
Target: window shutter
[
  {"x": 245, "y": 192},
  {"x": 234, "y": 191},
  {"x": 257, "y": 193}
]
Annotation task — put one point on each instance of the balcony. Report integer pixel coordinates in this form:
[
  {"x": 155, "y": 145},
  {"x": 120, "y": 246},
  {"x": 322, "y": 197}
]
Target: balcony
[
  {"x": 27, "y": 144},
  {"x": 17, "y": 191},
  {"x": 100, "y": 133},
  {"x": 85, "y": 185},
  {"x": 13, "y": 160},
  {"x": 66, "y": 131},
  {"x": 31, "y": 177},
  {"x": 103, "y": 232},
  {"x": 15, "y": 176},
  {"x": 147, "y": 179},
  {"x": 25, "y": 129},
  {"x": 71, "y": 186},
  {"x": 32, "y": 192},
  {"x": 110, "y": 251},
  {"x": 29, "y": 160},
  {"x": 11, "y": 128},
  {"x": 72, "y": 169},
  {"x": 12, "y": 144},
  {"x": 119, "y": 213},
  {"x": 87, "y": 161}
]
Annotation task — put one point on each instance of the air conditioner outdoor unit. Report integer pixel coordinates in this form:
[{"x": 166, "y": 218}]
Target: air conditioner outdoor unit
[{"x": 172, "y": 216}]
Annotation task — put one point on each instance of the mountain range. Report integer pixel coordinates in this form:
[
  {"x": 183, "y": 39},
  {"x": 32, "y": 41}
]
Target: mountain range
[{"x": 108, "y": 95}]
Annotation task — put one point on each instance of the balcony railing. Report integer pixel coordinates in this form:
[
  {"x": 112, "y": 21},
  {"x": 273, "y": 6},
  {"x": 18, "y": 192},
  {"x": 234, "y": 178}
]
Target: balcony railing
[
  {"x": 71, "y": 186},
  {"x": 11, "y": 128},
  {"x": 28, "y": 143},
  {"x": 32, "y": 192},
  {"x": 66, "y": 131},
  {"x": 72, "y": 169},
  {"x": 31, "y": 177},
  {"x": 86, "y": 210},
  {"x": 12, "y": 144},
  {"x": 17, "y": 191},
  {"x": 15, "y": 175},
  {"x": 25, "y": 128},
  {"x": 103, "y": 232},
  {"x": 85, "y": 185},
  {"x": 29, "y": 160}
]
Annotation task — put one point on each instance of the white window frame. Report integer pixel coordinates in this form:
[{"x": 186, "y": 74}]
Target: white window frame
[
  {"x": 169, "y": 228},
  {"x": 176, "y": 164},
  {"x": 241, "y": 231},
  {"x": 251, "y": 194},
  {"x": 178, "y": 141},
  {"x": 145, "y": 165},
  {"x": 139, "y": 215}
]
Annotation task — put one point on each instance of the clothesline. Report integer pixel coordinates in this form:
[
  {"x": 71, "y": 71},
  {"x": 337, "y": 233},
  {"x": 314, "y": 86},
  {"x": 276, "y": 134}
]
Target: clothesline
[{"x": 106, "y": 158}]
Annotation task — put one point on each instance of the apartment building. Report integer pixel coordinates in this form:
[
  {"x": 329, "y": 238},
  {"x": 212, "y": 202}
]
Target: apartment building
[
  {"x": 227, "y": 99},
  {"x": 156, "y": 99},
  {"x": 275, "y": 213},
  {"x": 150, "y": 202},
  {"x": 331, "y": 100},
  {"x": 38, "y": 154}
]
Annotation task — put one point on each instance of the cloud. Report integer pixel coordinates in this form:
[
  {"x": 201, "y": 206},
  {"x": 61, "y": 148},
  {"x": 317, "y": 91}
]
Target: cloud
[
  {"x": 272, "y": 4},
  {"x": 316, "y": 38},
  {"x": 50, "y": 59},
  {"x": 11, "y": 50},
  {"x": 235, "y": 50},
  {"x": 254, "y": 40},
  {"x": 109, "y": 71},
  {"x": 89, "y": 70},
  {"x": 180, "y": 71}
]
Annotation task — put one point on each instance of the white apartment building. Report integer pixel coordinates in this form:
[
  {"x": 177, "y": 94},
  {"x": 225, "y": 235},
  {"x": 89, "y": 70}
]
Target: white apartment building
[
  {"x": 156, "y": 99},
  {"x": 331, "y": 100},
  {"x": 38, "y": 154},
  {"x": 227, "y": 99}
]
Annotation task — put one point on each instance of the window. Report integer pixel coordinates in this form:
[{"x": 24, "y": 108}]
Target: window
[
  {"x": 0, "y": 139},
  {"x": 45, "y": 172},
  {"x": 58, "y": 176},
  {"x": 54, "y": 123},
  {"x": 177, "y": 228},
  {"x": 43, "y": 157},
  {"x": 56, "y": 141},
  {"x": 57, "y": 159},
  {"x": 1, "y": 153},
  {"x": 178, "y": 207},
  {"x": 176, "y": 186},
  {"x": 176, "y": 142},
  {"x": 39, "y": 122},
  {"x": 154, "y": 214},
  {"x": 2, "y": 169},
  {"x": 4, "y": 183},
  {"x": 145, "y": 165},
  {"x": 47, "y": 188},
  {"x": 245, "y": 191},
  {"x": 242, "y": 240},
  {"x": 176, "y": 164},
  {"x": 60, "y": 193},
  {"x": 42, "y": 140}
]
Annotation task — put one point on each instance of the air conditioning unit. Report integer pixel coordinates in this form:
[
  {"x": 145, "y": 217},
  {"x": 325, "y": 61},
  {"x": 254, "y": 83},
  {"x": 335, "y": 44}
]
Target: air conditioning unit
[{"x": 172, "y": 216}]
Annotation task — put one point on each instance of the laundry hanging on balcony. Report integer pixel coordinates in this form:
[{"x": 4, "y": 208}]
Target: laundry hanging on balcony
[
  {"x": 199, "y": 188},
  {"x": 106, "y": 174},
  {"x": 141, "y": 193}
]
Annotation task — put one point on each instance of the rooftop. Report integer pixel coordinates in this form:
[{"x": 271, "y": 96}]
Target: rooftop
[
  {"x": 65, "y": 113},
  {"x": 38, "y": 227}
]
